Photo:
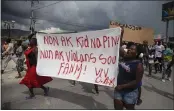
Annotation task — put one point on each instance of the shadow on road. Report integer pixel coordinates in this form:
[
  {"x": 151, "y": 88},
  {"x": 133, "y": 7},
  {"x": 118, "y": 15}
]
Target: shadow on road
[
  {"x": 87, "y": 87},
  {"x": 109, "y": 92},
  {"x": 165, "y": 94},
  {"x": 82, "y": 100},
  {"x": 6, "y": 106},
  {"x": 154, "y": 77}
]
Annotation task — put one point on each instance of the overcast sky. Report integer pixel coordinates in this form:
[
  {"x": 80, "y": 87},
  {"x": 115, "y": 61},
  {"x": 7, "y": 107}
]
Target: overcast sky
[{"x": 91, "y": 15}]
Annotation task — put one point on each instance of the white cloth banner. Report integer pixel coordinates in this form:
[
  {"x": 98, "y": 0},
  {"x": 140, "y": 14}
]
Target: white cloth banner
[{"x": 90, "y": 56}]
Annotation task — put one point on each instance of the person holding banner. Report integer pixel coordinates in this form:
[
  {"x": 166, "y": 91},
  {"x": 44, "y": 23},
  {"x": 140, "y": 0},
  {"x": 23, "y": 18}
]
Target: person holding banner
[
  {"x": 128, "y": 80},
  {"x": 31, "y": 79}
]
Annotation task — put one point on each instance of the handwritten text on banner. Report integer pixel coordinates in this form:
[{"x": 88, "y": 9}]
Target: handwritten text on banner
[{"x": 90, "y": 56}]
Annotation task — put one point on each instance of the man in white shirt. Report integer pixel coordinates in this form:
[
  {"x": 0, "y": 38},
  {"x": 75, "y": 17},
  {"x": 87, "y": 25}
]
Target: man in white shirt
[
  {"x": 158, "y": 56},
  {"x": 9, "y": 55}
]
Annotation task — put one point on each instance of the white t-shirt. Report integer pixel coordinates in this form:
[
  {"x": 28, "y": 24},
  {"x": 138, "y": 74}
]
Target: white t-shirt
[
  {"x": 158, "y": 50},
  {"x": 151, "y": 59}
]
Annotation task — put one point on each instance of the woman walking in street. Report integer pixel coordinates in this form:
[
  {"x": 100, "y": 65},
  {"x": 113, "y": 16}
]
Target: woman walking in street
[
  {"x": 20, "y": 59},
  {"x": 129, "y": 77},
  {"x": 31, "y": 79}
]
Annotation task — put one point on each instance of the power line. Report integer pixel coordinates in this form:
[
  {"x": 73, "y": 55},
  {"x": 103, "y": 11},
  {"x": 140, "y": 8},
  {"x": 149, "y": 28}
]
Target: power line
[
  {"x": 77, "y": 25},
  {"x": 47, "y": 5}
]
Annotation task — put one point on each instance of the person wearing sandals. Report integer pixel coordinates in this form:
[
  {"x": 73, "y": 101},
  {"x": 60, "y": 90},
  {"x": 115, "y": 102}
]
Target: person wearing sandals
[
  {"x": 20, "y": 59},
  {"x": 31, "y": 79}
]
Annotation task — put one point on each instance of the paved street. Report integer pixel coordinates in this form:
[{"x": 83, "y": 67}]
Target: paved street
[{"x": 155, "y": 94}]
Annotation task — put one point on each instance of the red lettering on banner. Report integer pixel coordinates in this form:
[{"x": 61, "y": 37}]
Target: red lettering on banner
[
  {"x": 79, "y": 43},
  {"x": 98, "y": 43},
  {"x": 71, "y": 68},
  {"x": 51, "y": 40},
  {"x": 105, "y": 42},
  {"x": 59, "y": 55},
  {"x": 78, "y": 69},
  {"x": 63, "y": 41},
  {"x": 115, "y": 40},
  {"x": 86, "y": 41},
  {"x": 107, "y": 60},
  {"x": 46, "y": 54},
  {"x": 66, "y": 41},
  {"x": 102, "y": 77},
  {"x": 74, "y": 56},
  {"x": 61, "y": 66}
]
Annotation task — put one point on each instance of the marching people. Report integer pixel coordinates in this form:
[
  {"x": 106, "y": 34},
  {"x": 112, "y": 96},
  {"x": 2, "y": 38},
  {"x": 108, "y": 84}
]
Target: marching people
[
  {"x": 20, "y": 59},
  {"x": 9, "y": 55},
  {"x": 168, "y": 53},
  {"x": 31, "y": 79}
]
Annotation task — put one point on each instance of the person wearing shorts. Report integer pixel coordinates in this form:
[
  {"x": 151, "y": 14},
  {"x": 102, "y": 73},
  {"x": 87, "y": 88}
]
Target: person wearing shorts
[{"x": 130, "y": 75}]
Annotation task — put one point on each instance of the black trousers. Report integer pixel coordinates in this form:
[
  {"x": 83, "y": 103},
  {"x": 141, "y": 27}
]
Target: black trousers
[
  {"x": 166, "y": 70},
  {"x": 159, "y": 65}
]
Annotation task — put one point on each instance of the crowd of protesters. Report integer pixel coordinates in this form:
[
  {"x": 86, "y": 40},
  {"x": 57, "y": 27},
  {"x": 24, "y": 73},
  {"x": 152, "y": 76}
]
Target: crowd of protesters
[{"x": 134, "y": 59}]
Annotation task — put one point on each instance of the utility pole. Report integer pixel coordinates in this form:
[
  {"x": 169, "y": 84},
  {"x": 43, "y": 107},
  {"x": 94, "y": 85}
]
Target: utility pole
[
  {"x": 167, "y": 27},
  {"x": 33, "y": 21},
  {"x": 8, "y": 25}
]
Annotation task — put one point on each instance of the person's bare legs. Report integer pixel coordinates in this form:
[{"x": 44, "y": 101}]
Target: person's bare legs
[
  {"x": 118, "y": 104},
  {"x": 130, "y": 106},
  {"x": 139, "y": 101},
  {"x": 45, "y": 90}
]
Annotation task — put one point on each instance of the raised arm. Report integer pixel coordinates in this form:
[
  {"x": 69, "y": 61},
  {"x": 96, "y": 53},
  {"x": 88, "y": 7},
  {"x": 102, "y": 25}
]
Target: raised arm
[{"x": 121, "y": 39}]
